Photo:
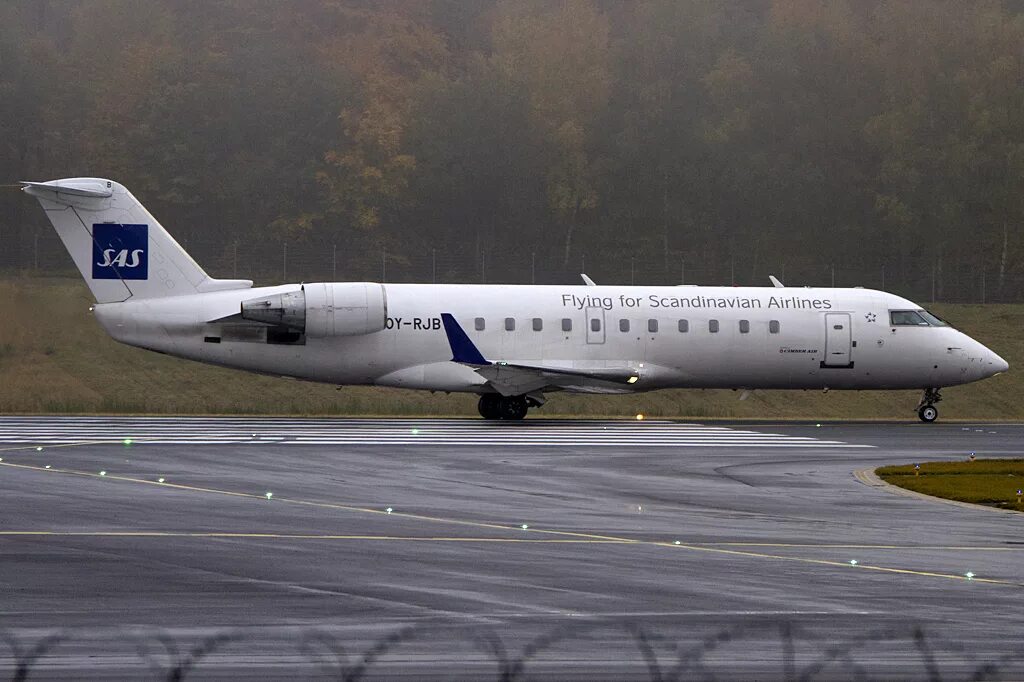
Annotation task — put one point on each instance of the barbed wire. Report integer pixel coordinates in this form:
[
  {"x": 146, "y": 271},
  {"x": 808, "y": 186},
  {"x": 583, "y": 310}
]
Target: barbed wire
[{"x": 800, "y": 652}]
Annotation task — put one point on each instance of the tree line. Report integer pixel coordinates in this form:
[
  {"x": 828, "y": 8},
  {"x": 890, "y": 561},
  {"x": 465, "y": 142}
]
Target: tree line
[{"x": 715, "y": 141}]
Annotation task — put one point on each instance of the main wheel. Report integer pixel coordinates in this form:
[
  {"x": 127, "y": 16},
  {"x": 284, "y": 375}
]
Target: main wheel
[
  {"x": 928, "y": 413},
  {"x": 490, "y": 406},
  {"x": 513, "y": 408}
]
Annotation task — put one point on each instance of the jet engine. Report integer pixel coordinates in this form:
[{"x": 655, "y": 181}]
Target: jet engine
[{"x": 323, "y": 310}]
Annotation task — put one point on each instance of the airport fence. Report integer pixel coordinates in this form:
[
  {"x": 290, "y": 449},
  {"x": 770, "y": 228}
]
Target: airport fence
[
  {"x": 41, "y": 253},
  {"x": 757, "y": 649}
]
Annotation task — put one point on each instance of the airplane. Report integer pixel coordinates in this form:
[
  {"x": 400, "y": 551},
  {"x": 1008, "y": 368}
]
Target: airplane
[{"x": 510, "y": 344}]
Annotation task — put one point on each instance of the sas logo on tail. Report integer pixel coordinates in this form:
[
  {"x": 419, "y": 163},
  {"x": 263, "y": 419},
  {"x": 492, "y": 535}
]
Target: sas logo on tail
[{"x": 120, "y": 251}]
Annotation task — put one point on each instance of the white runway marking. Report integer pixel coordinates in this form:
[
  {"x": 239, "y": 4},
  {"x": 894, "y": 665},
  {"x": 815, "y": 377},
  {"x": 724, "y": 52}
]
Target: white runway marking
[{"x": 43, "y": 431}]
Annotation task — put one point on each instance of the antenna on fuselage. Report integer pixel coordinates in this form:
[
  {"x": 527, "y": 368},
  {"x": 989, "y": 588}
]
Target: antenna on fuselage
[
  {"x": 586, "y": 280},
  {"x": 776, "y": 283}
]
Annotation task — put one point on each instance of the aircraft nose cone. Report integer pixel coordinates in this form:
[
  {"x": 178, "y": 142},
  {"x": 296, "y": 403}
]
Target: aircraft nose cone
[{"x": 998, "y": 364}]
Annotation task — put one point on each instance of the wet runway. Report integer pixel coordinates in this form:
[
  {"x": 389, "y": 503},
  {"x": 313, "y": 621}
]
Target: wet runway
[{"x": 375, "y": 549}]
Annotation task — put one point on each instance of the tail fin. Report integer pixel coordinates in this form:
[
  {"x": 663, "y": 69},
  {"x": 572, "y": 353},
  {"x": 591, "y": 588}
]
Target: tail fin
[{"x": 120, "y": 249}]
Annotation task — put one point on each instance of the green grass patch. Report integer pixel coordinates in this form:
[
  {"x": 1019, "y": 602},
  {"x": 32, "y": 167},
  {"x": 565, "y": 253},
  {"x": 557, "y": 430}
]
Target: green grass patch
[{"x": 992, "y": 482}]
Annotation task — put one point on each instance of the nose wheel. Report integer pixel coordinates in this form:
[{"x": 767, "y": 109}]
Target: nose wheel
[{"x": 926, "y": 410}]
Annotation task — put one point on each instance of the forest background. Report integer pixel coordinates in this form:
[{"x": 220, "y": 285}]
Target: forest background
[
  {"x": 876, "y": 143},
  {"x": 855, "y": 142}
]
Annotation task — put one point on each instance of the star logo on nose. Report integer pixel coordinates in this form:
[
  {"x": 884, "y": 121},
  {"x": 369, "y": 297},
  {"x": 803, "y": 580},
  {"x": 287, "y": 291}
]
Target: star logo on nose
[{"x": 871, "y": 317}]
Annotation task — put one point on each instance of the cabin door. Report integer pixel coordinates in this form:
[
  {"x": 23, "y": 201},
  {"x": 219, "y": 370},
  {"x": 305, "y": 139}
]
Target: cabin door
[
  {"x": 838, "y": 335},
  {"x": 595, "y": 325}
]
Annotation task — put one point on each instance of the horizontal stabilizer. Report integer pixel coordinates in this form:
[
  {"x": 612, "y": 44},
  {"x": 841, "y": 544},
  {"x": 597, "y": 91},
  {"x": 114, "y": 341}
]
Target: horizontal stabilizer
[{"x": 52, "y": 190}]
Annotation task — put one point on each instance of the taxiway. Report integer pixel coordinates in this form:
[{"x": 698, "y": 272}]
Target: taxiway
[{"x": 458, "y": 548}]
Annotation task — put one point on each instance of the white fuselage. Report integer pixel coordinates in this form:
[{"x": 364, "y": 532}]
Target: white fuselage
[{"x": 766, "y": 337}]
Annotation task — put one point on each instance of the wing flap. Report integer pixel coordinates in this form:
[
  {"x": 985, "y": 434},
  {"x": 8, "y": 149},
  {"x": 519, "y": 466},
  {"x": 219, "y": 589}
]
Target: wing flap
[
  {"x": 513, "y": 379},
  {"x": 509, "y": 380}
]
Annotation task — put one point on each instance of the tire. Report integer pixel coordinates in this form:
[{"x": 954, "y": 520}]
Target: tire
[
  {"x": 490, "y": 406},
  {"x": 928, "y": 413},
  {"x": 513, "y": 408}
]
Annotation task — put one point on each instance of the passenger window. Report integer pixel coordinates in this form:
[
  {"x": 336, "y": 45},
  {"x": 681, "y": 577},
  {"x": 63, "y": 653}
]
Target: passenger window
[
  {"x": 623, "y": 325},
  {"x": 744, "y": 326},
  {"x": 566, "y": 324},
  {"x": 906, "y": 318},
  {"x": 538, "y": 324},
  {"x": 684, "y": 326},
  {"x": 595, "y": 324},
  {"x": 652, "y": 326},
  {"x": 713, "y": 326},
  {"x": 478, "y": 324},
  {"x": 773, "y": 327},
  {"x": 510, "y": 324}
]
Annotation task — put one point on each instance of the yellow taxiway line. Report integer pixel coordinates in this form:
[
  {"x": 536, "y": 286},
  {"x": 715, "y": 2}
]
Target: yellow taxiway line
[{"x": 566, "y": 536}]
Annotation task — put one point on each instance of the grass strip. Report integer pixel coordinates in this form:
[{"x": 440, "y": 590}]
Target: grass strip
[{"x": 992, "y": 482}]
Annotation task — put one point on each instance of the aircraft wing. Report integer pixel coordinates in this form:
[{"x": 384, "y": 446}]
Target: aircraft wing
[{"x": 511, "y": 378}]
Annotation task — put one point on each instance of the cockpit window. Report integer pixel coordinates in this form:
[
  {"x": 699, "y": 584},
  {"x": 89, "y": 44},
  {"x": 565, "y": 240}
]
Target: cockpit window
[
  {"x": 906, "y": 318},
  {"x": 933, "y": 320},
  {"x": 914, "y": 318}
]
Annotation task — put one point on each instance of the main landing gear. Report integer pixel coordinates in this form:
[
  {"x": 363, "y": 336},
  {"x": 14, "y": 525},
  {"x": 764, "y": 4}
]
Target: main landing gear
[
  {"x": 509, "y": 408},
  {"x": 926, "y": 410}
]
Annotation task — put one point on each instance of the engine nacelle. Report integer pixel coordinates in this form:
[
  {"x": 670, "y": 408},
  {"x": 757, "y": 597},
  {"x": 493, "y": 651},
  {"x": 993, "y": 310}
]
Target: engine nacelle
[
  {"x": 323, "y": 310},
  {"x": 347, "y": 309}
]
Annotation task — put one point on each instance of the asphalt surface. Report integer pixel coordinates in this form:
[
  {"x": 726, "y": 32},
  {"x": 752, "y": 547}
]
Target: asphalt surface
[{"x": 534, "y": 550}]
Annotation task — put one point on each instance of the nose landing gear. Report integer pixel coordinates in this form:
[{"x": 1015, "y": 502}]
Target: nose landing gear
[
  {"x": 508, "y": 408},
  {"x": 926, "y": 410}
]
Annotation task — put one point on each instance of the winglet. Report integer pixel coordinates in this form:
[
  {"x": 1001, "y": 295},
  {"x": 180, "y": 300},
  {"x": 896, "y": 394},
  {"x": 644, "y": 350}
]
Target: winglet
[
  {"x": 586, "y": 280},
  {"x": 776, "y": 283},
  {"x": 463, "y": 350}
]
